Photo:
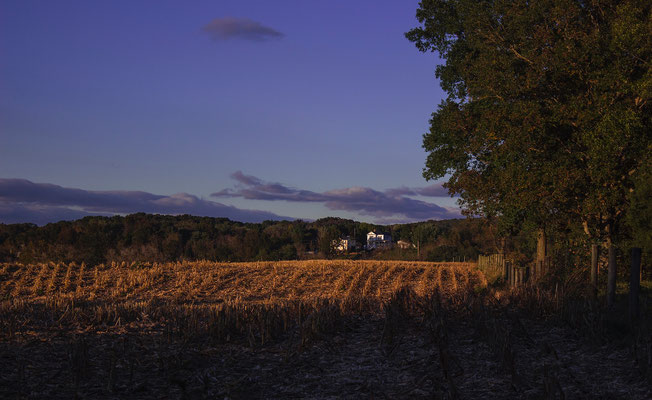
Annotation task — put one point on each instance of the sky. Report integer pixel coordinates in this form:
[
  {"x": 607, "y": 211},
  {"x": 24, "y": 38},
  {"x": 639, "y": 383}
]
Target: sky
[{"x": 243, "y": 109}]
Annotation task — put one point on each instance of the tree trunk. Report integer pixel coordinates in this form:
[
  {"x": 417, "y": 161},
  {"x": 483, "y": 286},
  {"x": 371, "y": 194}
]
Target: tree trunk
[
  {"x": 611, "y": 278},
  {"x": 634, "y": 283},
  {"x": 542, "y": 252},
  {"x": 542, "y": 248},
  {"x": 594, "y": 268}
]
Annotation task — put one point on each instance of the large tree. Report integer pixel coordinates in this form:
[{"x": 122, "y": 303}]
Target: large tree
[{"x": 547, "y": 116}]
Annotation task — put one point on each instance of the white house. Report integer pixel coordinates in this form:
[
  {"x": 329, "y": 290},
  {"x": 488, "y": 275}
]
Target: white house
[{"x": 378, "y": 240}]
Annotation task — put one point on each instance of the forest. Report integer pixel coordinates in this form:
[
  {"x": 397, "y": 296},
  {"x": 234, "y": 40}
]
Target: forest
[{"x": 161, "y": 238}]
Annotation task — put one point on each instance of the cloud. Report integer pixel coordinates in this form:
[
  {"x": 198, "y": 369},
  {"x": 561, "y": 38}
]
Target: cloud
[
  {"x": 391, "y": 204},
  {"x": 239, "y": 28},
  {"x": 25, "y": 201},
  {"x": 434, "y": 190},
  {"x": 15, "y": 213},
  {"x": 245, "y": 179}
]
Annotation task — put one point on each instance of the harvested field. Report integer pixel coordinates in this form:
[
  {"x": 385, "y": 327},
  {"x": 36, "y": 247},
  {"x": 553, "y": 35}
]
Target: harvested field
[
  {"x": 208, "y": 282},
  {"x": 307, "y": 329}
]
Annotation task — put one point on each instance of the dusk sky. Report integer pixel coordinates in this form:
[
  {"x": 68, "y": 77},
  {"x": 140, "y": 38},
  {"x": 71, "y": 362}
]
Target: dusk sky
[{"x": 250, "y": 110}]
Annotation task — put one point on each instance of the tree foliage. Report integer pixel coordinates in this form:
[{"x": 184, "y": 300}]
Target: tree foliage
[
  {"x": 548, "y": 113},
  {"x": 145, "y": 237}
]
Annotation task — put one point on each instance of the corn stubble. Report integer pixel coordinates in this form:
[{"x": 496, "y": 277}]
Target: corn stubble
[
  {"x": 213, "y": 283},
  {"x": 186, "y": 330},
  {"x": 255, "y": 302}
]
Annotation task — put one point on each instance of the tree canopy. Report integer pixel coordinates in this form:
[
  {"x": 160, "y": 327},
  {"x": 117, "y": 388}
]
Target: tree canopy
[
  {"x": 157, "y": 238},
  {"x": 547, "y": 115}
]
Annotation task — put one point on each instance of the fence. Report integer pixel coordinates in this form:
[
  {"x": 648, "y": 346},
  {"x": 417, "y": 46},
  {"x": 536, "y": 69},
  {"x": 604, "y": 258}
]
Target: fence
[
  {"x": 497, "y": 266},
  {"x": 541, "y": 268},
  {"x": 493, "y": 265},
  {"x": 516, "y": 275}
]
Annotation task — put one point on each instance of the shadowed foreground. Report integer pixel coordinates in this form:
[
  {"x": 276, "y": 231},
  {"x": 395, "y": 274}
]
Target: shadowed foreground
[{"x": 321, "y": 329}]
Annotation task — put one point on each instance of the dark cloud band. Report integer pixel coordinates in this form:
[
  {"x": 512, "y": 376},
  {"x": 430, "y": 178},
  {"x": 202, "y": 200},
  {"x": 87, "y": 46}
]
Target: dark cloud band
[
  {"x": 391, "y": 203},
  {"x": 25, "y": 201}
]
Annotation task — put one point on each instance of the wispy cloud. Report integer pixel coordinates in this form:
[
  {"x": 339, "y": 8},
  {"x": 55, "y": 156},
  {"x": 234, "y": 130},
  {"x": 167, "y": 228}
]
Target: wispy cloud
[
  {"x": 25, "y": 201},
  {"x": 391, "y": 204},
  {"x": 434, "y": 190},
  {"x": 239, "y": 28}
]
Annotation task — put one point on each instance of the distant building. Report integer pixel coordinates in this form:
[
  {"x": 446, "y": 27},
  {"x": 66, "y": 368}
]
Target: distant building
[
  {"x": 345, "y": 244},
  {"x": 378, "y": 240},
  {"x": 405, "y": 245}
]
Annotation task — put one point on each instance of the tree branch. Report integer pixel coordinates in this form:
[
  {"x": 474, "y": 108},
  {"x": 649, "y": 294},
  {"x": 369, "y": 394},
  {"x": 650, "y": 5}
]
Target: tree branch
[{"x": 520, "y": 56}]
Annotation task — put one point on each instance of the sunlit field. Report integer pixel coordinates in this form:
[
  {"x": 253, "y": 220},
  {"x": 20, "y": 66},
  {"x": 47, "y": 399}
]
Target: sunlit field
[
  {"x": 215, "y": 283},
  {"x": 309, "y": 329}
]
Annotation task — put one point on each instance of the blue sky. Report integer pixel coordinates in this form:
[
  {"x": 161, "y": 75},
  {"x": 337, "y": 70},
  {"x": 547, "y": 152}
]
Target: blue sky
[{"x": 177, "y": 98}]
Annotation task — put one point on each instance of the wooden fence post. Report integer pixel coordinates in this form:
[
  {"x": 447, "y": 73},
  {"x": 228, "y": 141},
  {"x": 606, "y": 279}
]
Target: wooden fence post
[
  {"x": 512, "y": 274},
  {"x": 509, "y": 274},
  {"x": 506, "y": 271},
  {"x": 634, "y": 283}
]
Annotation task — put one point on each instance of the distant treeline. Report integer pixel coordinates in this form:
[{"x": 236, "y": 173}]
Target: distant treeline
[{"x": 145, "y": 237}]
